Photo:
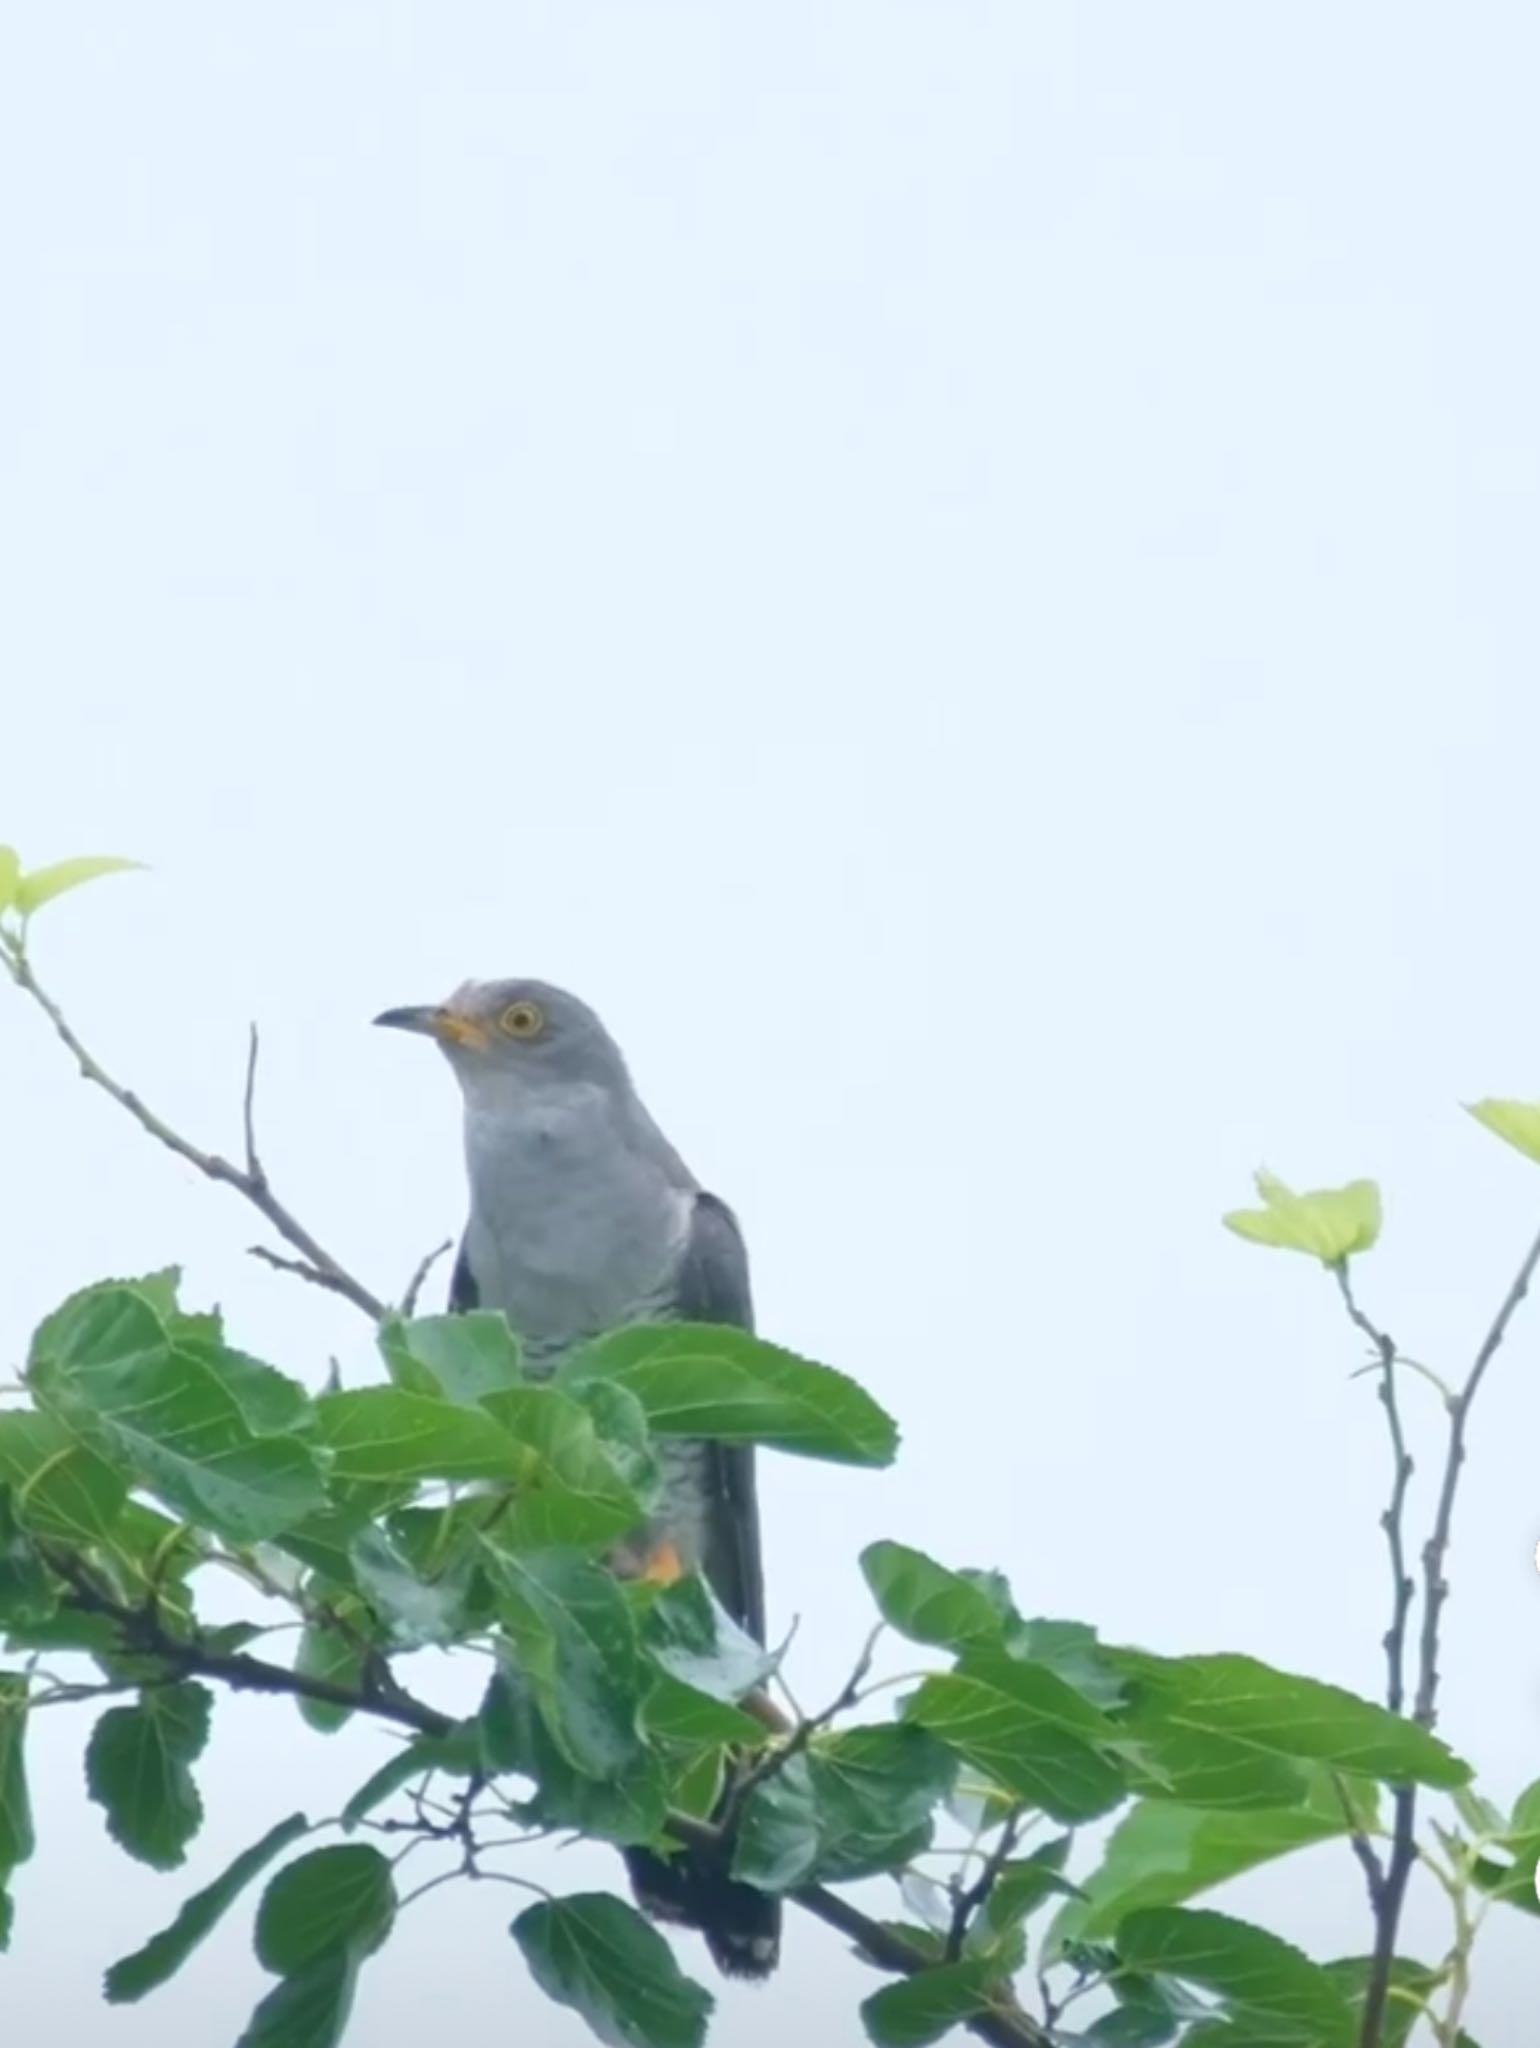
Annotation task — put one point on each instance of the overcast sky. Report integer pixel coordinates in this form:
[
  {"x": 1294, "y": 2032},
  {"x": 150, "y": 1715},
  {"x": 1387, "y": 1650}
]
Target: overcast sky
[{"x": 966, "y": 574}]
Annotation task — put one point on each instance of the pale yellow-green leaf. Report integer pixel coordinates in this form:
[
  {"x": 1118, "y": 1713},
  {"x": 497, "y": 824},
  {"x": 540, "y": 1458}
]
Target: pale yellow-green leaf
[
  {"x": 10, "y": 875},
  {"x": 43, "y": 884},
  {"x": 1327, "y": 1223},
  {"x": 1517, "y": 1122}
]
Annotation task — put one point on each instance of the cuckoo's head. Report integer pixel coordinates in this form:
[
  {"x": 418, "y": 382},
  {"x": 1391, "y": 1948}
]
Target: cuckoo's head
[{"x": 507, "y": 1034}]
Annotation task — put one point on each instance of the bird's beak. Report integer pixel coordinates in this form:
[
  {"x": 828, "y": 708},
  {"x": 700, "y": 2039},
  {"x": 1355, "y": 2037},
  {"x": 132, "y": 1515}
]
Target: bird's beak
[{"x": 436, "y": 1020}]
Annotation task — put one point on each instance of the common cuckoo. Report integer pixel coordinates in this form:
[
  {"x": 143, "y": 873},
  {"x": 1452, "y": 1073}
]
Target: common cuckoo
[{"x": 583, "y": 1218}]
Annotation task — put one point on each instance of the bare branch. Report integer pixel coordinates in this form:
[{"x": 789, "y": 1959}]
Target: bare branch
[
  {"x": 966, "y": 1900},
  {"x": 316, "y": 1264},
  {"x": 425, "y": 1266}
]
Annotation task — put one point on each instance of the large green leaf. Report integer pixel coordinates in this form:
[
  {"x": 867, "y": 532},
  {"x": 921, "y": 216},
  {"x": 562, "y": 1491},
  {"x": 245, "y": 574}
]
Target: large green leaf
[
  {"x": 628, "y": 1806},
  {"x": 15, "y": 1805},
  {"x": 852, "y": 1805},
  {"x": 27, "y": 1593},
  {"x": 925, "y": 1601},
  {"x": 1162, "y": 1853},
  {"x": 106, "y": 1363},
  {"x": 42, "y": 885},
  {"x": 310, "y": 2010},
  {"x": 1183, "y": 1709},
  {"x": 60, "y": 1488},
  {"x": 1024, "y": 1727},
  {"x": 164, "y": 1953},
  {"x": 1329, "y": 1224},
  {"x": 138, "y": 1769},
  {"x": 456, "y": 1357},
  {"x": 570, "y": 1493},
  {"x": 696, "y": 1641},
  {"x": 10, "y": 875},
  {"x": 696, "y": 1380},
  {"x": 922, "y": 2008},
  {"x": 416, "y": 1607},
  {"x": 678, "y": 1713},
  {"x": 384, "y": 1433},
  {"x": 573, "y": 1637},
  {"x": 1411, "y": 1986},
  {"x": 340, "y": 1897},
  {"x": 1258, "y": 1975},
  {"x": 599, "y": 1956}
]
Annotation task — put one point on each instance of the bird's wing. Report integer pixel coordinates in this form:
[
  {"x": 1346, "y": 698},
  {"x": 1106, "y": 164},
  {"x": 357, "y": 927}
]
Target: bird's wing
[
  {"x": 464, "y": 1294},
  {"x": 713, "y": 1287}
]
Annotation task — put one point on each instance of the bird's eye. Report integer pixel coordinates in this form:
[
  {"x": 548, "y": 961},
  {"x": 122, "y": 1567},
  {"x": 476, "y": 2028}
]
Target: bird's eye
[{"x": 523, "y": 1020}]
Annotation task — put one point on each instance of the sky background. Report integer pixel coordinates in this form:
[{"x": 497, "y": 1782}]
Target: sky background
[{"x": 966, "y": 574}]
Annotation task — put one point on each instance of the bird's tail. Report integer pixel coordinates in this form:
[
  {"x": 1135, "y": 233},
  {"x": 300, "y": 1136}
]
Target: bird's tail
[{"x": 742, "y": 1926}]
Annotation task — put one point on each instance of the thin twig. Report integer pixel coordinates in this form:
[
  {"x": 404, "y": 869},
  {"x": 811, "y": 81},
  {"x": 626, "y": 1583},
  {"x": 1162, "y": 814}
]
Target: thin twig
[
  {"x": 776, "y": 1759},
  {"x": 1403, "y": 1840},
  {"x": 425, "y": 1266},
  {"x": 967, "y": 1900},
  {"x": 1393, "y": 1521},
  {"x": 250, "y": 1181},
  {"x": 254, "y": 1169}
]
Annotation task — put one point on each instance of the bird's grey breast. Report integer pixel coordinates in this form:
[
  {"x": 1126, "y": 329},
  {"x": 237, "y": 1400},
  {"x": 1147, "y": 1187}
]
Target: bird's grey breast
[{"x": 578, "y": 1222}]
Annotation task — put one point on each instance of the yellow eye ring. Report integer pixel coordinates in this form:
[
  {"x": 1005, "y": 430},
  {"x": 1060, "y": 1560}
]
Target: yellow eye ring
[{"x": 523, "y": 1020}]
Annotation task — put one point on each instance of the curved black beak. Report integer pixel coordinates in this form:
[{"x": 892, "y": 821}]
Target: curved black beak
[{"x": 424, "y": 1017}]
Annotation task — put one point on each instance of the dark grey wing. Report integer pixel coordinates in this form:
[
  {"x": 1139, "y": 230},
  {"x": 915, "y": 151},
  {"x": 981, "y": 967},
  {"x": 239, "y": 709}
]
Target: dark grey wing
[
  {"x": 464, "y": 1294},
  {"x": 713, "y": 1287}
]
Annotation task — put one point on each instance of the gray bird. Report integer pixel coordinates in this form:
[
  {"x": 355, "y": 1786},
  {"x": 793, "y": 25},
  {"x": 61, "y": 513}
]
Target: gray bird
[{"x": 583, "y": 1218}]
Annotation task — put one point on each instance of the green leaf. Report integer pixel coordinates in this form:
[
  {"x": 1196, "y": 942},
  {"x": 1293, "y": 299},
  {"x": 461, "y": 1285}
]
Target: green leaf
[
  {"x": 1517, "y": 1123},
  {"x": 340, "y": 1897},
  {"x": 1022, "y": 1886},
  {"x": 777, "y": 1842},
  {"x": 922, "y": 2008},
  {"x": 629, "y": 1806},
  {"x": 43, "y": 884},
  {"x": 15, "y": 1805},
  {"x": 329, "y": 1651},
  {"x": 310, "y": 2010},
  {"x": 1411, "y": 1986},
  {"x": 412, "y": 1760},
  {"x": 138, "y": 1769},
  {"x": 1188, "y": 1710},
  {"x": 1330, "y": 1224},
  {"x": 60, "y": 1489},
  {"x": 1257, "y": 1973},
  {"x": 10, "y": 875},
  {"x": 458, "y": 1357},
  {"x": 925, "y": 1601},
  {"x": 696, "y": 1641},
  {"x": 696, "y": 1380},
  {"x": 164, "y": 1953},
  {"x": 7, "y": 1912},
  {"x": 676, "y": 1712},
  {"x": 876, "y": 1789},
  {"x": 620, "y": 1423},
  {"x": 382, "y": 1433},
  {"x": 573, "y": 1637},
  {"x": 416, "y": 1609},
  {"x": 1162, "y": 1853},
  {"x": 599, "y": 1956},
  {"x": 1021, "y": 1725},
  {"x": 106, "y": 1364},
  {"x": 570, "y": 1494},
  {"x": 855, "y": 1804}
]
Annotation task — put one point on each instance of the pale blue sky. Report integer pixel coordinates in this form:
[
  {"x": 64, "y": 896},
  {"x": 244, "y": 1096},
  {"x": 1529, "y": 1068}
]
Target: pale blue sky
[{"x": 965, "y": 573}]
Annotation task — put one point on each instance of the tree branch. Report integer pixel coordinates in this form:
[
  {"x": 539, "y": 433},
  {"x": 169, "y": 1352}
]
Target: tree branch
[
  {"x": 1391, "y": 1891},
  {"x": 316, "y": 1264}
]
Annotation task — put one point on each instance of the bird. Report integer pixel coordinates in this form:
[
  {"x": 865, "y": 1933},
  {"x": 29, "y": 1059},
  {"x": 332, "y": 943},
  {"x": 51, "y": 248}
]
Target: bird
[{"x": 584, "y": 1219}]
